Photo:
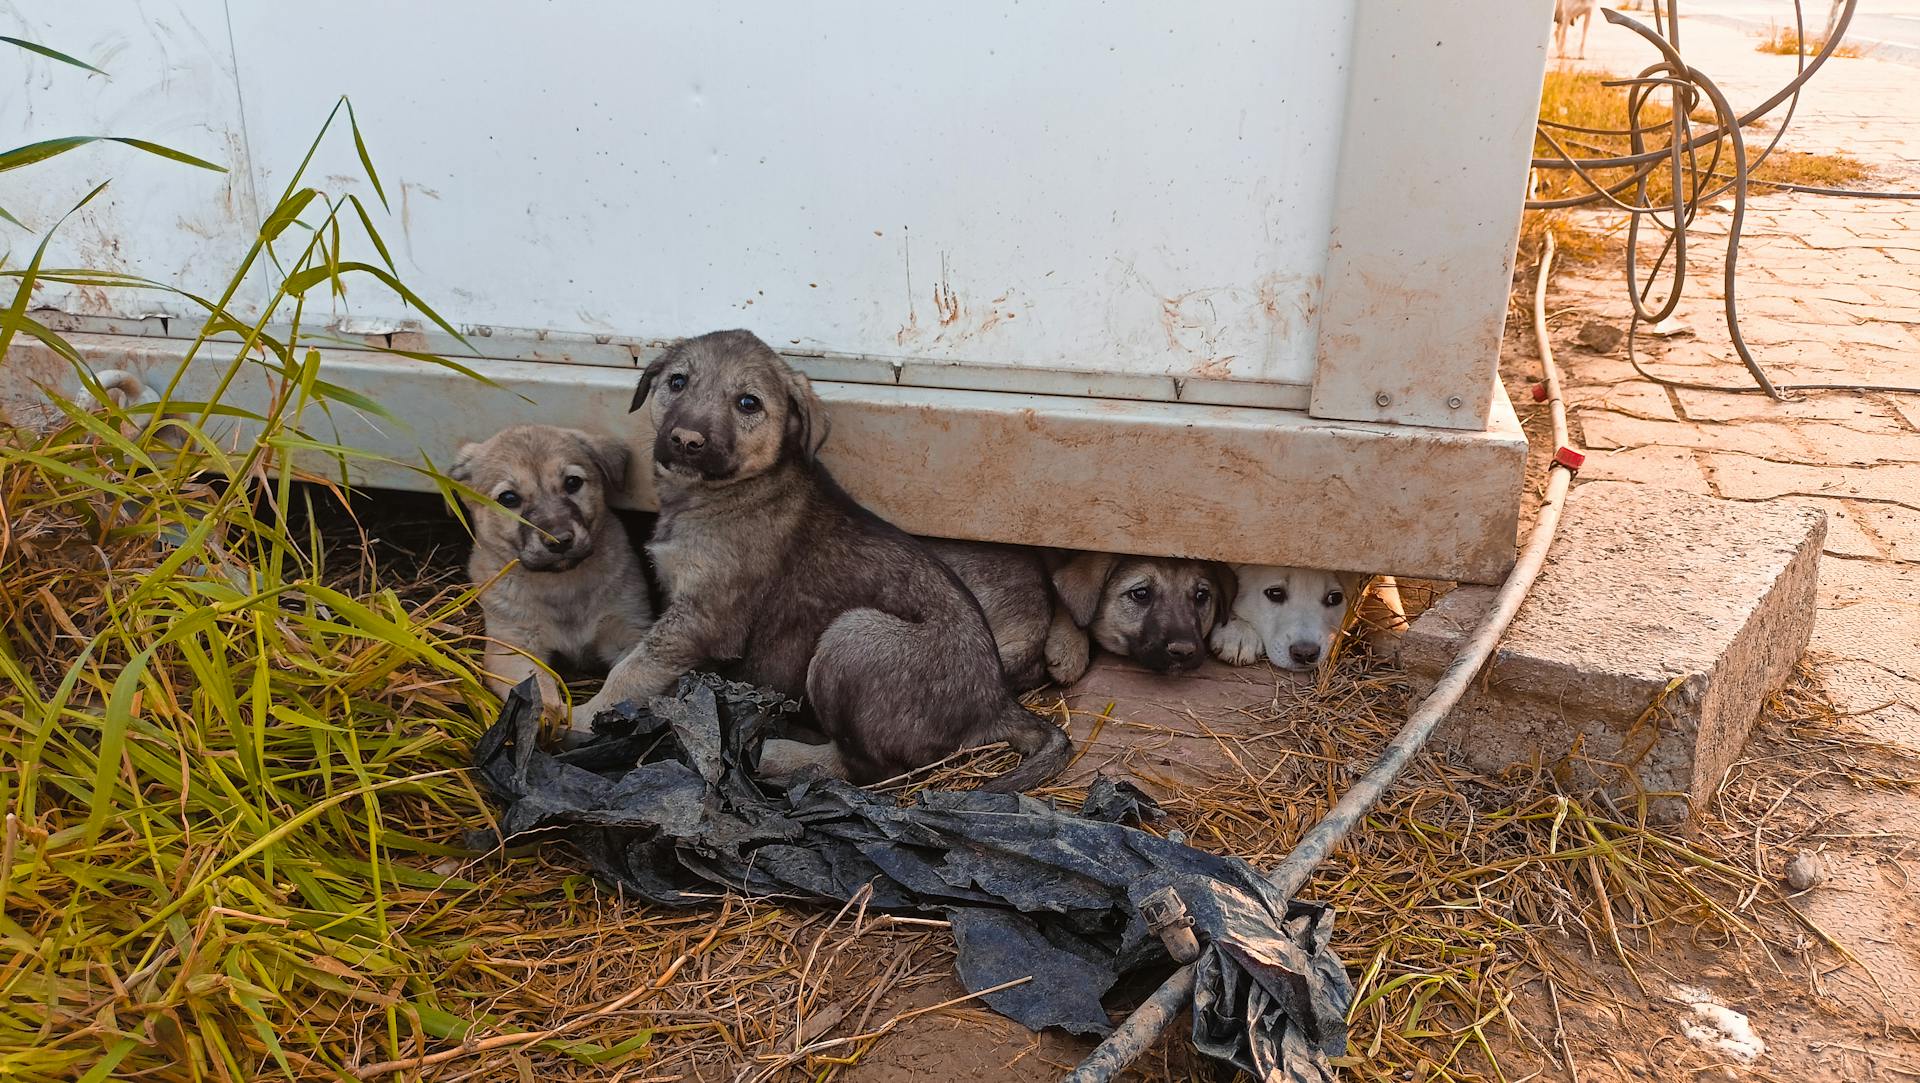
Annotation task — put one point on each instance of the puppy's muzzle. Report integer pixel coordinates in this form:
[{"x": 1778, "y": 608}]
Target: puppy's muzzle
[
  {"x": 688, "y": 449},
  {"x": 554, "y": 549},
  {"x": 1175, "y": 654}
]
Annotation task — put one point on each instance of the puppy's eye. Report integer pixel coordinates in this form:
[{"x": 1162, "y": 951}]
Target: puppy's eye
[
  {"x": 1142, "y": 595},
  {"x": 573, "y": 483},
  {"x": 677, "y": 382},
  {"x": 748, "y": 404},
  {"x": 1333, "y": 598},
  {"x": 1277, "y": 595},
  {"x": 508, "y": 499},
  {"x": 1200, "y": 595}
]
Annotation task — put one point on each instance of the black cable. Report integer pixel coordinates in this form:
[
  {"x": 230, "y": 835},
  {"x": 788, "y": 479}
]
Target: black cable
[{"x": 1686, "y": 85}]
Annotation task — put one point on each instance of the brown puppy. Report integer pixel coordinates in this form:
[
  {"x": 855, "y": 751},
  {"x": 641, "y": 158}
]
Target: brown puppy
[
  {"x": 1155, "y": 611},
  {"x": 576, "y": 598},
  {"x": 779, "y": 578},
  {"x": 1037, "y": 638}
]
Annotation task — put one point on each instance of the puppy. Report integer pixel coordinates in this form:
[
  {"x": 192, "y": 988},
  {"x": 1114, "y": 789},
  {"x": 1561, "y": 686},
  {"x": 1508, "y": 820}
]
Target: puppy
[
  {"x": 576, "y": 599},
  {"x": 1291, "y": 615},
  {"x": 1036, "y": 637},
  {"x": 126, "y": 390},
  {"x": 1155, "y": 611},
  {"x": 1565, "y": 14},
  {"x": 779, "y": 578}
]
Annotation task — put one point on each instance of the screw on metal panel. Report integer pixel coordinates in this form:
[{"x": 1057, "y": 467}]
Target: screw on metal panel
[
  {"x": 1381, "y": 399},
  {"x": 1454, "y": 403}
]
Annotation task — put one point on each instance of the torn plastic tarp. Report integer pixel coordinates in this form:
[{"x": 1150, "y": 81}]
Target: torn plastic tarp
[{"x": 664, "y": 804}]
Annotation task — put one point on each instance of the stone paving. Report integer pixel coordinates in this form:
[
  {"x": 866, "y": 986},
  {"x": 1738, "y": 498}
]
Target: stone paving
[{"x": 1829, "y": 291}]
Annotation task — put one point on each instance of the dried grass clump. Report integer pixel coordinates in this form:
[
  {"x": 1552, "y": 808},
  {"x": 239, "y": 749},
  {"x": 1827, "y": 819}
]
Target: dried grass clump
[
  {"x": 1786, "y": 41},
  {"x": 1588, "y": 119}
]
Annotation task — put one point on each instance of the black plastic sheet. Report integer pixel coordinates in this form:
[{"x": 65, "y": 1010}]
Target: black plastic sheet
[{"x": 664, "y": 803}]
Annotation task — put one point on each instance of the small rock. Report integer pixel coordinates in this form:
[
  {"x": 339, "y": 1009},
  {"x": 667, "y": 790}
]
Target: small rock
[
  {"x": 1600, "y": 337},
  {"x": 1669, "y": 327},
  {"x": 1805, "y": 871}
]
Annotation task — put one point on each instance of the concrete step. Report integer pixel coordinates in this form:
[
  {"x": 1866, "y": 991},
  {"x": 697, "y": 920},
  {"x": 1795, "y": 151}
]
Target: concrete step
[{"x": 1660, "y": 625}]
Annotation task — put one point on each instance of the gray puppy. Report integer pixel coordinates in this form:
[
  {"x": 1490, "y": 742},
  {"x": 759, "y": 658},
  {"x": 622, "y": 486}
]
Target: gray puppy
[
  {"x": 1036, "y": 636},
  {"x": 576, "y": 599},
  {"x": 777, "y": 577},
  {"x": 1156, "y": 611}
]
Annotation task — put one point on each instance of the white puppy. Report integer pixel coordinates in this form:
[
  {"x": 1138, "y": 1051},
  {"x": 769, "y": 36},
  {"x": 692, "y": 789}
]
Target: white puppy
[{"x": 1291, "y": 615}]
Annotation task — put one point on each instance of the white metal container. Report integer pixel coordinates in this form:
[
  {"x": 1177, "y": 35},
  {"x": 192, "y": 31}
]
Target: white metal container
[{"x": 1224, "y": 279}]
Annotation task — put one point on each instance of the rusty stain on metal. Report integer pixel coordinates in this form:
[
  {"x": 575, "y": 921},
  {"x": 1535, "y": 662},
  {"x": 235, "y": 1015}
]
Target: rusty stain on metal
[
  {"x": 945, "y": 301},
  {"x": 1218, "y": 368},
  {"x": 1217, "y": 326}
]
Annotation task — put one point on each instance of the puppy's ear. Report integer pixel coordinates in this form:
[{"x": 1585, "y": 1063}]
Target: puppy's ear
[
  {"x": 654, "y": 369},
  {"x": 1353, "y": 584},
  {"x": 1079, "y": 582},
  {"x": 462, "y": 468},
  {"x": 807, "y": 423},
  {"x": 610, "y": 456},
  {"x": 1226, "y": 587}
]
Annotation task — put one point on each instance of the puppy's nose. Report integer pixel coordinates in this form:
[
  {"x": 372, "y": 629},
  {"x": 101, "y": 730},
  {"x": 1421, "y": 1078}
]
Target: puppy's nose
[
  {"x": 1180, "y": 650},
  {"x": 687, "y": 439},
  {"x": 560, "y": 542},
  {"x": 1304, "y": 653}
]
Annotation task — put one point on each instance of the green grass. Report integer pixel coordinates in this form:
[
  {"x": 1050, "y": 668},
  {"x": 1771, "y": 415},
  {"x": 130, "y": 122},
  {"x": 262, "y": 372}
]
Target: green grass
[{"x": 225, "y": 779}]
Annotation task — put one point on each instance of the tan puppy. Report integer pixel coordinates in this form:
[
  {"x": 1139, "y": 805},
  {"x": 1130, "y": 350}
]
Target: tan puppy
[
  {"x": 1157, "y": 611},
  {"x": 576, "y": 598}
]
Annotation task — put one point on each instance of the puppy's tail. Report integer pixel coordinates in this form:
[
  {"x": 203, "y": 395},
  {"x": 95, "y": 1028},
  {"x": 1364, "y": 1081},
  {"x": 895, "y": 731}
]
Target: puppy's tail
[{"x": 1043, "y": 747}]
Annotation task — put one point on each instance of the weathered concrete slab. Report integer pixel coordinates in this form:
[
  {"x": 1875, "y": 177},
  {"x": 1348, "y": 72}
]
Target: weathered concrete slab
[
  {"x": 983, "y": 465},
  {"x": 1658, "y": 628}
]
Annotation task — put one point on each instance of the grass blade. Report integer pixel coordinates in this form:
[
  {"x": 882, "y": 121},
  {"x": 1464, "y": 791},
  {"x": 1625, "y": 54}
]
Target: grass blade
[
  {"x": 16, "y": 314},
  {"x": 50, "y": 148},
  {"x": 41, "y": 151},
  {"x": 55, "y": 54},
  {"x": 366, "y": 160},
  {"x": 284, "y": 215}
]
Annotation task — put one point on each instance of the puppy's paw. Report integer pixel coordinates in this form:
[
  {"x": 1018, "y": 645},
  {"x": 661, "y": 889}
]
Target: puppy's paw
[
  {"x": 578, "y": 723},
  {"x": 1068, "y": 654},
  {"x": 1236, "y": 643},
  {"x": 795, "y": 761}
]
